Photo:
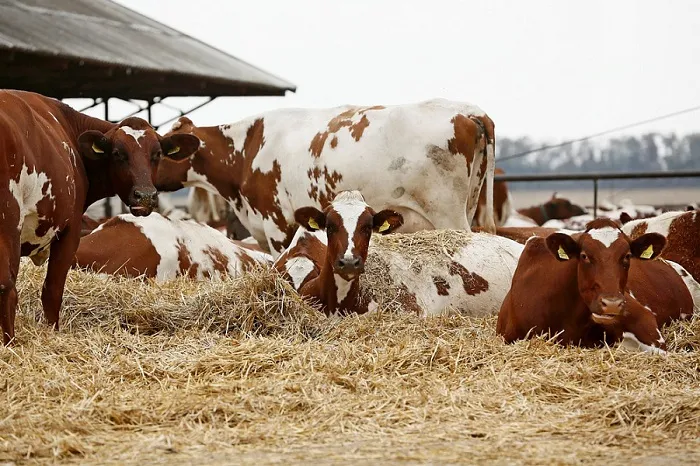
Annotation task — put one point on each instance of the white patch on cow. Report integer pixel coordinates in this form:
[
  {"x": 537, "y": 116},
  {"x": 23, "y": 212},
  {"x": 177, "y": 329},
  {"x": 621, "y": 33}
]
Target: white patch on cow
[
  {"x": 28, "y": 191},
  {"x": 660, "y": 224},
  {"x": 373, "y": 306},
  {"x": 631, "y": 342},
  {"x": 177, "y": 125},
  {"x": 197, "y": 238},
  {"x": 298, "y": 268},
  {"x": 350, "y": 205},
  {"x": 342, "y": 287},
  {"x": 197, "y": 180},
  {"x": 607, "y": 235},
  {"x": 661, "y": 340},
  {"x": 134, "y": 133}
]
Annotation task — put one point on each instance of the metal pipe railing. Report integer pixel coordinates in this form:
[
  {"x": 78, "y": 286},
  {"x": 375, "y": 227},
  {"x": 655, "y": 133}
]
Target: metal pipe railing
[{"x": 595, "y": 177}]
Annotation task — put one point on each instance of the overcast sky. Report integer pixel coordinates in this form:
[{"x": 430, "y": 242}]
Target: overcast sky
[{"x": 548, "y": 69}]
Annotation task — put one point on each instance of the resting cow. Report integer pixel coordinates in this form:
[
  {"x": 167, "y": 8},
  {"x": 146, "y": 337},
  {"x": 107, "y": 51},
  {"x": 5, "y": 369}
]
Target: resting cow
[
  {"x": 54, "y": 163},
  {"x": 682, "y": 232},
  {"x": 163, "y": 249},
  {"x": 426, "y": 161},
  {"x": 466, "y": 271},
  {"x": 594, "y": 287},
  {"x": 556, "y": 208}
]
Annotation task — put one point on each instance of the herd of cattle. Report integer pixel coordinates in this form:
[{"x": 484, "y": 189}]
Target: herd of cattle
[{"x": 312, "y": 187}]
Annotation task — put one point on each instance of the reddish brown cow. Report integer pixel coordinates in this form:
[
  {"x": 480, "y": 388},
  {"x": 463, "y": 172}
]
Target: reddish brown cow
[
  {"x": 326, "y": 265},
  {"x": 54, "y": 163},
  {"x": 594, "y": 287},
  {"x": 502, "y": 204},
  {"x": 682, "y": 232},
  {"x": 556, "y": 208}
]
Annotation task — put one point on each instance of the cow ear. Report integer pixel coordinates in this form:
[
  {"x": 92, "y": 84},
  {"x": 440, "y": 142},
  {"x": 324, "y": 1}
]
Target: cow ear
[
  {"x": 94, "y": 145},
  {"x": 310, "y": 218},
  {"x": 625, "y": 217},
  {"x": 563, "y": 246},
  {"x": 648, "y": 246},
  {"x": 386, "y": 221},
  {"x": 179, "y": 146}
]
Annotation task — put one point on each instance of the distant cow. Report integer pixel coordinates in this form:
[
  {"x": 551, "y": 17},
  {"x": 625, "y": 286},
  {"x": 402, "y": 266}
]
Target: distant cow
[
  {"x": 595, "y": 287},
  {"x": 330, "y": 252},
  {"x": 54, "y": 163},
  {"x": 163, "y": 249},
  {"x": 502, "y": 203},
  {"x": 426, "y": 161},
  {"x": 556, "y": 208},
  {"x": 682, "y": 232}
]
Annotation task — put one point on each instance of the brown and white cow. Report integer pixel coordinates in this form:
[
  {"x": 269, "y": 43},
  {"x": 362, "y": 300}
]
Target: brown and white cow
[
  {"x": 54, "y": 163},
  {"x": 556, "y": 208},
  {"x": 426, "y": 161},
  {"x": 682, "y": 232},
  {"x": 470, "y": 275},
  {"x": 502, "y": 203},
  {"x": 163, "y": 249},
  {"x": 594, "y": 287}
]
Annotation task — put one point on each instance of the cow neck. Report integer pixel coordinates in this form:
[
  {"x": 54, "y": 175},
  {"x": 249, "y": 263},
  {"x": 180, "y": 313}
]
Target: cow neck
[
  {"x": 99, "y": 185},
  {"x": 537, "y": 213},
  {"x": 216, "y": 161},
  {"x": 331, "y": 287}
]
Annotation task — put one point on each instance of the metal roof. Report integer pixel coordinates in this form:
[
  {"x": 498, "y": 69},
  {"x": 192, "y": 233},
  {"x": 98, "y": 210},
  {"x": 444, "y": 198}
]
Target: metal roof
[{"x": 97, "y": 48}]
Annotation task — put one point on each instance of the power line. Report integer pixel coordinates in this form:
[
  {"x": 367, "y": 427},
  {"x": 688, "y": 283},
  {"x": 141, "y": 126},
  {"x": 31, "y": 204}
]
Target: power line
[{"x": 602, "y": 133}]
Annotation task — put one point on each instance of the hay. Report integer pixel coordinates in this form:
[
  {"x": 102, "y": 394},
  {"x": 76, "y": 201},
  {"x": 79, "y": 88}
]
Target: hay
[{"x": 147, "y": 374}]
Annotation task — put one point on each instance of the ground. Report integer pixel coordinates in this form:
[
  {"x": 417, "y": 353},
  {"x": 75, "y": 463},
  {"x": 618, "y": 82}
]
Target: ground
[{"x": 244, "y": 372}]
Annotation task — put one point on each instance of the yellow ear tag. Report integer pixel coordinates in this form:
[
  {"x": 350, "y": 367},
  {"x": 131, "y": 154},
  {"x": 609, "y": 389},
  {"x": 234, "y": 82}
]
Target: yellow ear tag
[
  {"x": 96, "y": 149},
  {"x": 174, "y": 150},
  {"x": 385, "y": 226},
  {"x": 562, "y": 254},
  {"x": 313, "y": 224},
  {"x": 648, "y": 252}
]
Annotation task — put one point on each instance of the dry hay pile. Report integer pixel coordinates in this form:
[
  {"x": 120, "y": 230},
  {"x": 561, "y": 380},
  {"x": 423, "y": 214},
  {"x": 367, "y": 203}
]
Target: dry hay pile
[
  {"x": 245, "y": 372},
  {"x": 423, "y": 247}
]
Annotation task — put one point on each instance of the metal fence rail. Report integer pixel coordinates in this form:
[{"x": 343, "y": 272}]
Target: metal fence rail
[{"x": 595, "y": 177}]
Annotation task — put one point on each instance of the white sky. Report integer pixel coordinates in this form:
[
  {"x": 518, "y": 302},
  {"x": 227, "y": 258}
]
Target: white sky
[{"x": 548, "y": 69}]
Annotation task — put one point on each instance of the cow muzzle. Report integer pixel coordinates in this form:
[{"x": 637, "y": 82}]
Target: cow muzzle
[
  {"x": 143, "y": 201},
  {"x": 608, "y": 309},
  {"x": 349, "y": 267}
]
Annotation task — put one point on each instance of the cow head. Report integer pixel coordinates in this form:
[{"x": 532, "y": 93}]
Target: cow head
[
  {"x": 558, "y": 208},
  {"x": 349, "y": 223},
  {"x": 604, "y": 253},
  {"x": 131, "y": 153},
  {"x": 172, "y": 174}
]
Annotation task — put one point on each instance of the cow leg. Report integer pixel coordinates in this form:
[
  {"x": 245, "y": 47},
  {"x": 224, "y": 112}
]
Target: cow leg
[
  {"x": 62, "y": 256},
  {"x": 9, "y": 266}
]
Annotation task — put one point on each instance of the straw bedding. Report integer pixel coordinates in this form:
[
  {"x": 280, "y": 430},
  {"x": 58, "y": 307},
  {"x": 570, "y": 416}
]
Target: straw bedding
[{"x": 244, "y": 372}]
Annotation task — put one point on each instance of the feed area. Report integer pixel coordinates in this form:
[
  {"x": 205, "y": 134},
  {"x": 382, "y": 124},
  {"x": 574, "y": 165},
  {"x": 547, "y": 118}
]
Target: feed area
[{"x": 244, "y": 371}]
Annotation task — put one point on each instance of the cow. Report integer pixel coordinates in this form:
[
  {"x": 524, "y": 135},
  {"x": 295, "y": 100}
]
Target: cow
[
  {"x": 54, "y": 163},
  {"x": 426, "y": 161},
  {"x": 556, "y": 208},
  {"x": 502, "y": 203},
  {"x": 162, "y": 249},
  {"x": 594, "y": 287},
  {"x": 523, "y": 234},
  {"x": 334, "y": 250},
  {"x": 682, "y": 232}
]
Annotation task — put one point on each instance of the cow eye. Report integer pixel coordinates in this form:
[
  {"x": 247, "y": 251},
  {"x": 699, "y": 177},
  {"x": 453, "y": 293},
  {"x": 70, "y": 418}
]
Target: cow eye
[
  {"x": 331, "y": 228},
  {"x": 584, "y": 257},
  {"x": 157, "y": 155},
  {"x": 118, "y": 155}
]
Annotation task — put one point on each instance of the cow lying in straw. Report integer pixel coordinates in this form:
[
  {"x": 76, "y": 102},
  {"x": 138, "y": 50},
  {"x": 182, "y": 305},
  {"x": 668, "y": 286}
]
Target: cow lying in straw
[
  {"x": 331, "y": 260},
  {"x": 160, "y": 248},
  {"x": 594, "y": 287}
]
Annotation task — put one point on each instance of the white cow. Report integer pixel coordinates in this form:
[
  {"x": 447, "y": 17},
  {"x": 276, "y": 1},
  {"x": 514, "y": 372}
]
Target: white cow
[{"x": 426, "y": 161}]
